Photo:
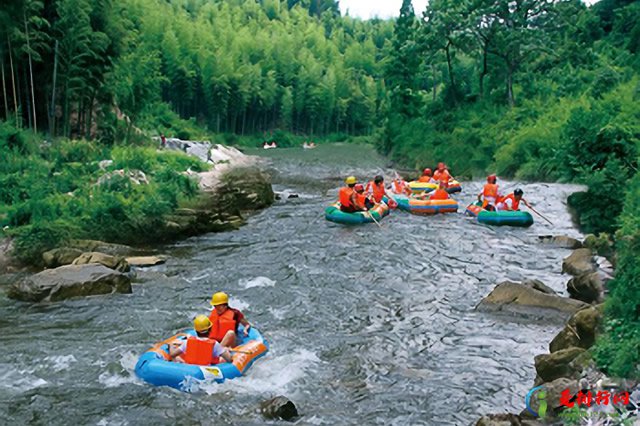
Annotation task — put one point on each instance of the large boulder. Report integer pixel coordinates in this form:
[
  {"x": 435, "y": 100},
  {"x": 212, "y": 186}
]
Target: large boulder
[
  {"x": 60, "y": 256},
  {"x": 560, "y": 241},
  {"x": 557, "y": 364},
  {"x": 552, "y": 393},
  {"x": 603, "y": 244},
  {"x": 279, "y": 407},
  {"x": 200, "y": 220},
  {"x": 579, "y": 262},
  {"x": 112, "y": 262},
  {"x": 245, "y": 189},
  {"x": 520, "y": 299},
  {"x": 70, "y": 281},
  {"x": 587, "y": 287},
  {"x": 580, "y": 330}
]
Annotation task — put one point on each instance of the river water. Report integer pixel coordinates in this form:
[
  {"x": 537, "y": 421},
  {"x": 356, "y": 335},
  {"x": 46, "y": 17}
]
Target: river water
[{"x": 367, "y": 325}]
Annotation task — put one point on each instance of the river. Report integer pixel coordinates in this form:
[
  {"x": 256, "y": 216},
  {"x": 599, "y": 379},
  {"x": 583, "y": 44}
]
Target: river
[{"x": 367, "y": 325}]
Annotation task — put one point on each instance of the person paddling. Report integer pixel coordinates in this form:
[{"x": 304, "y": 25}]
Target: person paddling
[
  {"x": 362, "y": 201},
  {"x": 442, "y": 174},
  {"x": 489, "y": 195},
  {"x": 199, "y": 349},
  {"x": 347, "y": 196},
  {"x": 440, "y": 193},
  {"x": 512, "y": 201},
  {"x": 377, "y": 189},
  {"x": 426, "y": 176},
  {"x": 225, "y": 321}
]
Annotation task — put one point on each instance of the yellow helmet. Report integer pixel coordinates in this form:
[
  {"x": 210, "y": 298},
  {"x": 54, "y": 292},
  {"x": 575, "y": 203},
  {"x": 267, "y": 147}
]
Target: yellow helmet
[
  {"x": 219, "y": 298},
  {"x": 351, "y": 180},
  {"x": 201, "y": 323}
]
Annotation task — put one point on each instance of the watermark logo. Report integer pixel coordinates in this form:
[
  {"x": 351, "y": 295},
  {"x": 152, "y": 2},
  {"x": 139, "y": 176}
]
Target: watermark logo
[{"x": 539, "y": 394}]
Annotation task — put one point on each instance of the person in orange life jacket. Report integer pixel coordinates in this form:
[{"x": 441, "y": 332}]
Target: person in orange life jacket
[
  {"x": 512, "y": 201},
  {"x": 489, "y": 195},
  {"x": 347, "y": 196},
  {"x": 442, "y": 173},
  {"x": 399, "y": 186},
  {"x": 200, "y": 349},
  {"x": 225, "y": 321},
  {"x": 377, "y": 189},
  {"x": 440, "y": 193},
  {"x": 362, "y": 201},
  {"x": 426, "y": 176}
]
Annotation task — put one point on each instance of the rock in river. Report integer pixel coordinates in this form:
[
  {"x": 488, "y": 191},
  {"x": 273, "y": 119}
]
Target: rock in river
[{"x": 70, "y": 281}]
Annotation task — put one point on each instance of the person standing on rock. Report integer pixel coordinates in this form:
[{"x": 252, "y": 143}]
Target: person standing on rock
[
  {"x": 225, "y": 321},
  {"x": 163, "y": 141}
]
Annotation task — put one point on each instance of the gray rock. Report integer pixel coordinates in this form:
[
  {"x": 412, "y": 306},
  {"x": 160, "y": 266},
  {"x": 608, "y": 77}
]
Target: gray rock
[
  {"x": 112, "y": 262},
  {"x": 558, "y": 364},
  {"x": 100, "y": 246},
  {"x": 279, "y": 407},
  {"x": 60, "y": 256},
  {"x": 70, "y": 281},
  {"x": 506, "y": 419},
  {"x": 587, "y": 287},
  {"x": 553, "y": 390},
  {"x": 579, "y": 262},
  {"x": 142, "y": 261},
  {"x": 523, "y": 300},
  {"x": 560, "y": 241},
  {"x": 580, "y": 330},
  {"x": 538, "y": 285}
]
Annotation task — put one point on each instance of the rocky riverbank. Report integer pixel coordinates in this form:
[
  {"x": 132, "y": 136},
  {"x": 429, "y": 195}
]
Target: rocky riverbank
[
  {"x": 232, "y": 188},
  {"x": 569, "y": 365}
]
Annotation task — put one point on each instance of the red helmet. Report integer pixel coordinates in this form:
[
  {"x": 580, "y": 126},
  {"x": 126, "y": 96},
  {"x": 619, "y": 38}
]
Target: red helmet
[
  {"x": 358, "y": 187},
  {"x": 491, "y": 178},
  {"x": 426, "y": 172}
]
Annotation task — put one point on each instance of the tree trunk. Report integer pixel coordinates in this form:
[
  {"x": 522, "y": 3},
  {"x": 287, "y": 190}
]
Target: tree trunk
[
  {"x": 450, "y": 69},
  {"x": 33, "y": 96},
  {"x": 484, "y": 71},
  {"x": 4, "y": 89},
  {"x": 88, "y": 134},
  {"x": 510, "y": 86},
  {"x": 28, "y": 99},
  {"x": 435, "y": 82},
  {"x": 13, "y": 84},
  {"x": 52, "y": 110}
]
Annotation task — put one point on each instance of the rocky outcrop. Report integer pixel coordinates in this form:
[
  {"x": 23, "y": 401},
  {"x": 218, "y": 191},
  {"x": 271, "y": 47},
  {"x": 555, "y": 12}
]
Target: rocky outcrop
[
  {"x": 579, "y": 262},
  {"x": 506, "y": 419},
  {"x": 8, "y": 263},
  {"x": 588, "y": 287},
  {"x": 142, "y": 261},
  {"x": 70, "y": 281},
  {"x": 244, "y": 189},
  {"x": 525, "y": 300},
  {"x": 560, "y": 241},
  {"x": 100, "y": 246},
  {"x": 279, "y": 407},
  {"x": 136, "y": 177},
  {"x": 553, "y": 390},
  {"x": 557, "y": 364},
  {"x": 112, "y": 262},
  {"x": 580, "y": 330},
  {"x": 60, "y": 256}
]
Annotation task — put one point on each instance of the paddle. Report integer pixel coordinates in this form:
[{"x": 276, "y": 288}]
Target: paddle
[
  {"x": 534, "y": 210},
  {"x": 241, "y": 352},
  {"x": 373, "y": 218}
]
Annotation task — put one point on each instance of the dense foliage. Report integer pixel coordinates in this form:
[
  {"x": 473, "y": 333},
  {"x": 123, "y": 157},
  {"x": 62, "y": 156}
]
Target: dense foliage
[{"x": 52, "y": 193}]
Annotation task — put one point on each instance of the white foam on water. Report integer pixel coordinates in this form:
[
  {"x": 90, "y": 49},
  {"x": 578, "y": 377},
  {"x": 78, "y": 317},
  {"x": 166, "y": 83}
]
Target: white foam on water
[
  {"x": 256, "y": 282},
  {"x": 278, "y": 314},
  {"x": 19, "y": 380},
  {"x": 268, "y": 375},
  {"x": 60, "y": 362},
  {"x": 114, "y": 380},
  {"x": 198, "y": 278},
  {"x": 128, "y": 361}
]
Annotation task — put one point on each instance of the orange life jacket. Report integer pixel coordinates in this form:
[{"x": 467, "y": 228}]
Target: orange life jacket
[
  {"x": 443, "y": 175},
  {"x": 221, "y": 324},
  {"x": 400, "y": 187},
  {"x": 345, "y": 196},
  {"x": 515, "y": 204},
  {"x": 490, "y": 190},
  {"x": 424, "y": 178},
  {"x": 360, "y": 200},
  {"x": 199, "y": 351},
  {"x": 377, "y": 191},
  {"x": 439, "y": 194}
]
